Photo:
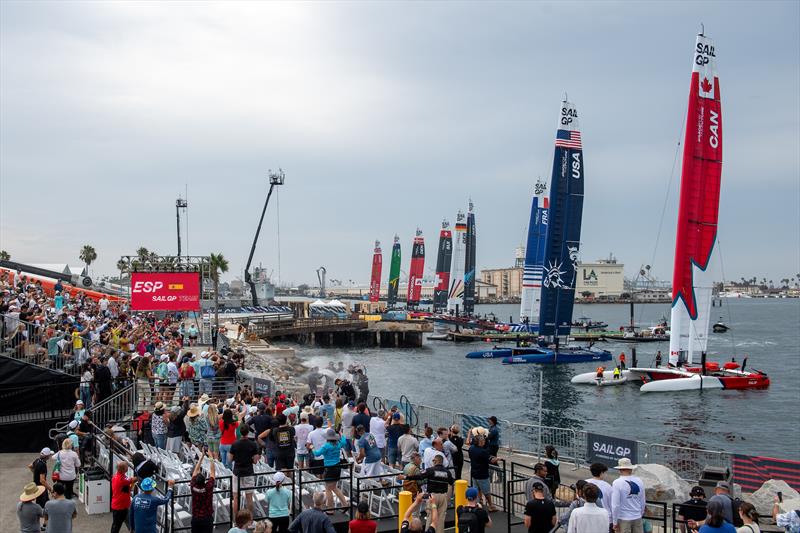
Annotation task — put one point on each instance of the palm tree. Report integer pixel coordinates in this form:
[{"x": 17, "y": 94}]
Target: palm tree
[
  {"x": 218, "y": 265},
  {"x": 87, "y": 255},
  {"x": 5, "y": 256}
]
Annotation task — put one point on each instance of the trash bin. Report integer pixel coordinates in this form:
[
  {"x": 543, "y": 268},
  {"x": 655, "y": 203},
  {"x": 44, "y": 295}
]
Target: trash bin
[
  {"x": 711, "y": 475},
  {"x": 95, "y": 491}
]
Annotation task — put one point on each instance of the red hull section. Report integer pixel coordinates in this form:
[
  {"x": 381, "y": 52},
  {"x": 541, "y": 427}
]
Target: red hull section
[
  {"x": 48, "y": 284},
  {"x": 416, "y": 271}
]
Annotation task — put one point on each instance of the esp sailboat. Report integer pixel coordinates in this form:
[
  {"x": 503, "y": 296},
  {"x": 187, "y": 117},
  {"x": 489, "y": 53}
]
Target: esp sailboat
[
  {"x": 694, "y": 245},
  {"x": 455, "y": 297},
  {"x": 394, "y": 275},
  {"x": 443, "y": 260},
  {"x": 375, "y": 281},
  {"x": 416, "y": 270}
]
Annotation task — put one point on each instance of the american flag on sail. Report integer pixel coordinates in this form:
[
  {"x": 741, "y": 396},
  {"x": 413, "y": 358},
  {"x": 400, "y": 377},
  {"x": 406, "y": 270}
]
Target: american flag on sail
[{"x": 569, "y": 139}]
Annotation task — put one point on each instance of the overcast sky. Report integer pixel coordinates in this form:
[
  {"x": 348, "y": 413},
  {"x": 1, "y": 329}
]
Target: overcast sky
[{"x": 384, "y": 116}]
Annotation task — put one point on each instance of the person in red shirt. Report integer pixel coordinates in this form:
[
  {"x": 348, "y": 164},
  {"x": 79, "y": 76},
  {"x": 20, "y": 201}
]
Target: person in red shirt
[
  {"x": 202, "y": 496},
  {"x": 363, "y": 522},
  {"x": 121, "y": 496},
  {"x": 227, "y": 427}
]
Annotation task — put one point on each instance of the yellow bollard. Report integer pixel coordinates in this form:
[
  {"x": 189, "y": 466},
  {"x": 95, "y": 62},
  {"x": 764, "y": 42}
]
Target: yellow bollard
[
  {"x": 403, "y": 503},
  {"x": 461, "y": 496}
]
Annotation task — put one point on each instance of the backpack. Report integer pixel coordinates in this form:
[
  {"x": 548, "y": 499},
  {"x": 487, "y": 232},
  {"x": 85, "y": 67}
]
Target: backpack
[
  {"x": 208, "y": 371},
  {"x": 467, "y": 520},
  {"x": 735, "y": 504},
  {"x": 161, "y": 370}
]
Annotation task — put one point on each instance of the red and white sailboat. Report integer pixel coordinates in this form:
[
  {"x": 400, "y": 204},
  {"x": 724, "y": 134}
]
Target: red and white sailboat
[{"x": 696, "y": 235}]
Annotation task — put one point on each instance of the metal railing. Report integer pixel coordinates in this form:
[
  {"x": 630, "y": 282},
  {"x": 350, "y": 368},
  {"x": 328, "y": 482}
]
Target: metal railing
[{"x": 688, "y": 463}]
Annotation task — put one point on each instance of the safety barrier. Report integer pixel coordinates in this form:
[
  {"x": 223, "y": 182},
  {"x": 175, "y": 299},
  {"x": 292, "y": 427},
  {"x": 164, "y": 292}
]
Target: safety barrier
[{"x": 530, "y": 439}]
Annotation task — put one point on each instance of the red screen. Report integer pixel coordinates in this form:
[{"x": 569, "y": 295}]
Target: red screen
[{"x": 165, "y": 291}]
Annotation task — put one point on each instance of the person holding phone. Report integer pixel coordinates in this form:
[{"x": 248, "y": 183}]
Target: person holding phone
[
  {"x": 203, "y": 494},
  {"x": 121, "y": 486}
]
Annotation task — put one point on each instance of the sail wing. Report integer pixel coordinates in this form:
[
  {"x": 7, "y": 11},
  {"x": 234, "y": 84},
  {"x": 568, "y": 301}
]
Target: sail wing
[
  {"x": 416, "y": 270},
  {"x": 443, "y": 260},
  {"x": 563, "y": 236},
  {"x": 394, "y": 274},
  {"x": 699, "y": 208},
  {"x": 375, "y": 280},
  {"x": 534, "y": 257},
  {"x": 469, "y": 268},
  {"x": 455, "y": 298}
]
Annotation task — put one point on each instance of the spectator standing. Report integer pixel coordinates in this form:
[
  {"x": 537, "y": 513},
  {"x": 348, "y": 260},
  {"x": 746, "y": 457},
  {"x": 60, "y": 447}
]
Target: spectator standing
[
  {"x": 749, "y": 516},
  {"x": 407, "y": 445},
  {"x": 427, "y": 440},
  {"x": 313, "y": 520},
  {"x": 413, "y": 469},
  {"x": 28, "y": 511},
  {"x": 693, "y": 509},
  {"x": 203, "y": 496},
  {"x": 789, "y": 521},
  {"x": 186, "y": 375},
  {"x": 599, "y": 471},
  {"x": 539, "y": 475},
  {"x": 479, "y": 466},
  {"x": 540, "y": 513},
  {"x": 197, "y": 427},
  {"x": 244, "y": 454},
  {"x": 331, "y": 453},
  {"x": 227, "y": 437},
  {"x": 458, "y": 454},
  {"x": 715, "y": 521},
  {"x": 283, "y": 438},
  {"x": 588, "y": 517},
  {"x": 393, "y": 433},
  {"x": 493, "y": 439},
  {"x": 363, "y": 522},
  {"x": 39, "y": 469},
  {"x": 472, "y": 517},
  {"x": 213, "y": 435},
  {"x": 158, "y": 426},
  {"x": 627, "y": 499},
  {"x": 439, "y": 480},
  {"x": 302, "y": 431},
  {"x": 377, "y": 427},
  {"x": 176, "y": 427},
  {"x": 278, "y": 500},
  {"x": 144, "y": 506},
  {"x": 59, "y": 512},
  {"x": 69, "y": 463},
  {"x": 369, "y": 455},
  {"x": 121, "y": 486},
  {"x": 411, "y": 523},
  {"x": 551, "y": 463}
]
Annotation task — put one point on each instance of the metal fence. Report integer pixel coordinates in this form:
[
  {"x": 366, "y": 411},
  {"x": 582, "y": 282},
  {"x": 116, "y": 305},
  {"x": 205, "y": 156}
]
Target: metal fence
[{"x": 530, "y": 439}]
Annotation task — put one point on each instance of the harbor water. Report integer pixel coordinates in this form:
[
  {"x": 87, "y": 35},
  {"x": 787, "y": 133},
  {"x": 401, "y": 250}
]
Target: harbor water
[{"x": 757, "y": 422}]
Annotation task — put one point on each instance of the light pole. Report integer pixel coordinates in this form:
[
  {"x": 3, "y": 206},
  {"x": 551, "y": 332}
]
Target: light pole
[{"x": 180, "y": 203}]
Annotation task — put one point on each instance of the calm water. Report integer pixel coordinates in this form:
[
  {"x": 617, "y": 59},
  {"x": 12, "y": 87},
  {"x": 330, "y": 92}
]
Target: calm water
[{"x": 755, "y": 422}]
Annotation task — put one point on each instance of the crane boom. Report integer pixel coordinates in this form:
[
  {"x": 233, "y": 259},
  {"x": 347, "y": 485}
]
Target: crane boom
[{"x": 274, "y": 179}]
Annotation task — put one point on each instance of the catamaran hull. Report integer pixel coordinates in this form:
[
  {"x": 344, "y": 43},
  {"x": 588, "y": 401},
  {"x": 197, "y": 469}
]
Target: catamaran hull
[
  {"x": 608, "y": 382},
  {"x": 496, "y": 353},
  {"x": 578, "y": 356},
  {"x": 590, "y": 378}
]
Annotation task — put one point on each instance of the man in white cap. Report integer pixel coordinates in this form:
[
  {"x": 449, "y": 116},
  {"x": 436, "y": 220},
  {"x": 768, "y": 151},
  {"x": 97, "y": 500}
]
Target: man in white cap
[
  {"x": 39, "y": 469},
  {"x": 71, "y": 435},
  {"x": 627, "y": 499}
]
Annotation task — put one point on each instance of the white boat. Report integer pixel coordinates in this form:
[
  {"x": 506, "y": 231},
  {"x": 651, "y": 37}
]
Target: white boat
[
  {"x": 590, "y": 378},
  {"x": 694, "y": 382},
  {"x": 605, "y": 382}
]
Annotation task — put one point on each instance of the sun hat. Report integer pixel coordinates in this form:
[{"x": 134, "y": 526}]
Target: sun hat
[
  {"x": 203, "y": 399},
  {"x": 472, "y": 493},
  {"x": 158, "y": 406},
  {"x": 147, "y": 484},
  {"x": 279, "y": 477},
  {"x": 331, "y": 434},
  {"x": 624, "y": 464},
  {"x": 308, "y": 409},
  {"x": 73, "y": 424},
  {"x": 46, "y": 452},
  {"x": 31, "y": 492},
  {"x": 194, "y": 411}
]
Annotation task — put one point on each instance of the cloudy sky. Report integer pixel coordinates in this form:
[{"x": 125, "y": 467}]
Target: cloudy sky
[{"x": 384, "y": 116}]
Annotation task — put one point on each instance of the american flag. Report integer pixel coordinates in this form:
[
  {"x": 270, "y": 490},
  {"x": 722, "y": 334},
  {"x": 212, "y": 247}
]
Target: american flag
[{"x": 569, "y": 139}]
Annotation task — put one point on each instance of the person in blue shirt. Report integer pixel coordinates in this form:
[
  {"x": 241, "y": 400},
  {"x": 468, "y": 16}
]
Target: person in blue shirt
[
  {"x": 279, "y": 498},
  {"x": 493, "y": 440},
  {"x": 715, "y": 521},
  {"x": 331, "y": 453},
  {"x": 144, "y": 506}
]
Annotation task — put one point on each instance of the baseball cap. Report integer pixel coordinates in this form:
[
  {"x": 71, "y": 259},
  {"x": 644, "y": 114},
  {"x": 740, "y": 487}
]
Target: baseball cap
[
  {"x": 537, "y": 486},
  {"x": 73, "y": 424},
  {"x": 724, "y": 485},
  {"x": 396, "y": 416},
  {"x": 279, "y": 477},
  {"x": 147, "y": 484},
  {"x": 79, "y": 402},
  {"x": 697, "y": 491},
  {"x": 47, "y": 452},
  {"x": 472, "y": 493}
]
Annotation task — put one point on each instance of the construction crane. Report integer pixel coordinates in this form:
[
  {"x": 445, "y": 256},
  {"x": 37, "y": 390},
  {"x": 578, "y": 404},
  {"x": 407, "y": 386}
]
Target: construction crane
[
  {"x": 275, "y": 178},
  {"x": 321, "y": 277}
]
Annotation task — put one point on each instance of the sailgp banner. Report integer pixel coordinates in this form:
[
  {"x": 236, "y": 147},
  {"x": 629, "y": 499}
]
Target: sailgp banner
[
  {"x": 165, "y": 291},
  {"x": 609, "y": 450},
  {"x": 751, "y": 472}
]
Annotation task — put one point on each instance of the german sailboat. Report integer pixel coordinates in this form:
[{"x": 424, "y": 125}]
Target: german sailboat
[
  {"x": 455, "y": 297},
  {"x": 694, "y": 245},
  {"x": 375, "y": 281},
  {"x": 443, "y": 260}
]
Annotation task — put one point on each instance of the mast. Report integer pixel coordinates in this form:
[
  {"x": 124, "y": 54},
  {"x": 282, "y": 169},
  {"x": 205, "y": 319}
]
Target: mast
[
  {"x": 375, "y": 281},
  {"x": 394, "y": 274},
  {"x": 698, "y": 210},
  {"x": 564, "y": 233},
  {"x": 443, "y": 260},
  {"x": 416, "y": 271},
  {"x": 469, "y": 268},
  {"x": 455, "y": 297},
  {"x": 534, "y": 256}
]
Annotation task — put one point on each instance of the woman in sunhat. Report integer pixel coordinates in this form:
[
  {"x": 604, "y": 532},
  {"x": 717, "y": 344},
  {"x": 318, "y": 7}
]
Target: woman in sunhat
[
  {"x": 197, "y": 427},
  {"x": 29, "y": 512}
]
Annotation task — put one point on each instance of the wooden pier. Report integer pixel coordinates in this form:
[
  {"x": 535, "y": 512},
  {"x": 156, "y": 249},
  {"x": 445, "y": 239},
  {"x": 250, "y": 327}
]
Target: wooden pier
[{"x": 343, "y": 332}]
